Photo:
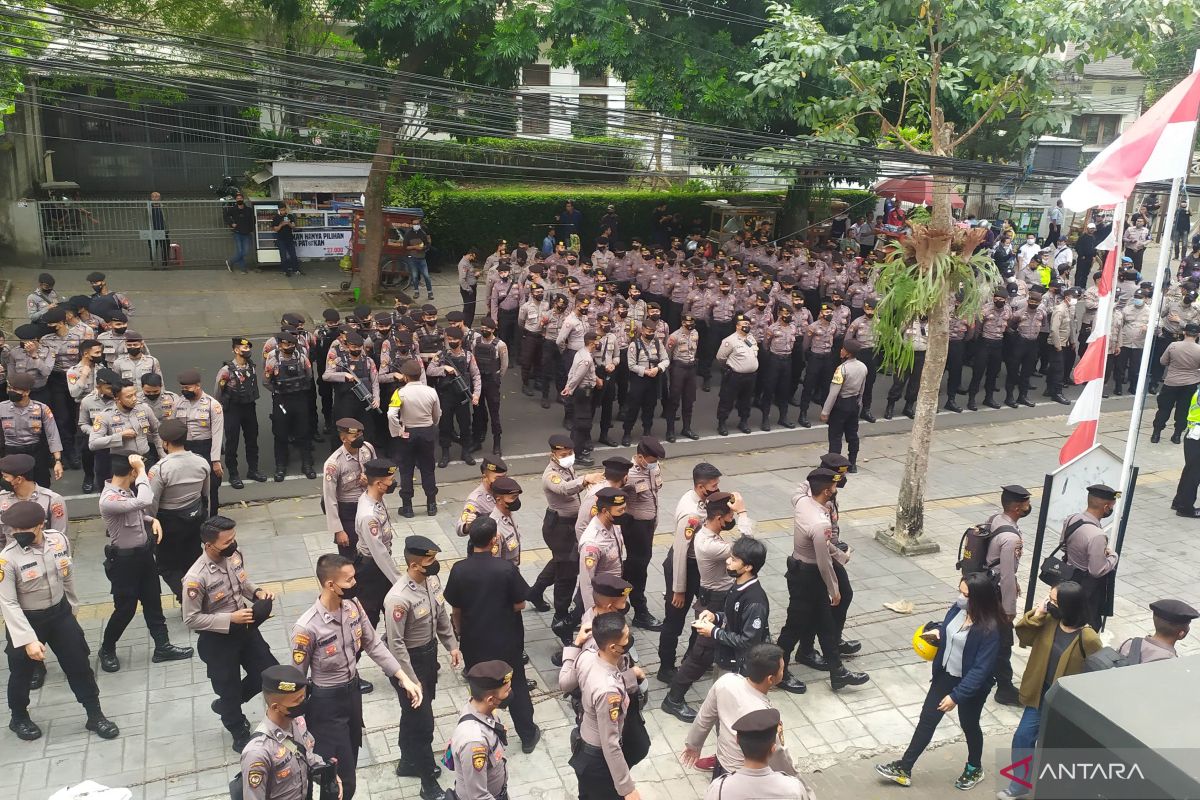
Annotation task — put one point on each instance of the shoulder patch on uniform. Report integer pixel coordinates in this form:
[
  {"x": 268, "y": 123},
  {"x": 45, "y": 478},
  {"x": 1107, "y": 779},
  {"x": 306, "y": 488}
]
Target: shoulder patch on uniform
[
  {"x": 479, "y": 760},
  {"x": 57, "y": 510},
  {"x": 373, "y": 527},
  {"x": 330, "y": 472},
  {"x": 298, "y": 656},
  {"x": 838, "y": 378},
  {"x": 255, "y": 778},
  {"x": 556, "y": 478},
  {"x": 301, "y": 640},
  {"x": 398, "y": 613}
]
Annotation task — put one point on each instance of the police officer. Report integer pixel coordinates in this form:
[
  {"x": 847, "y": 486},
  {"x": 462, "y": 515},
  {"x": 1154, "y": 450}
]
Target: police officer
[
  {"x": 113, "y": 337},
  {"x": 1087, "y": 549},
  {"x": 1004, "y": 555},
  {"x": 758, "y": 734},
  {"x": 1172, "y": 623},
  {"x": 344, "y": 482},
  {"x": 32, "y": 358},
  {"x": 683, "y": 348},
  {"x": 416, "y": 617},
  {"x": 376, "y": 571},
  {"x": 326, "y": 333},
  {"x": 862, "y": 333},
  {"x": 354, "y": 377},
  {"x": 28, "y": 427},
  {"x": 127, "y": 427},
  {"x": 81, "y": 383},
  {"x": 161, "y": 401},
  {"x": 205, "y": 420},
  {"x": 65, "y": 346},
  {"x": 601, "y": 546},
  {"x": 413, "y": 416},
  {"x": 43, "y": 298},
  {"x": 776, "y": 379},
  {"x": 843, "y": 404},
  {"x": 16, "y": 470},
  {"x": 480, "y": 501},
  {"x": 739, "y": 351},
  {"x": 648, "y": 361},
  {"x": 818, "y": 340},
  {"x": 279, "y": 759},
  {"x": 639, "y": 524},
  {"x": 597, "y": 757},
  {"x": 135, "y": 361},
  {"x": 491, "y": 358},
  {"x": 479, "y": 740},
  {"x": 224, "y": 607},
  {"x": 125, "y": 504},
  {"x": 507, "y": 495},
  {"x": 237, "y": 390},
  {"x": 458, "y": 388},
  {"x": 487, "y": 595},
  {"x": 326, "y": 643},
  {"x": 582, "y": 381},
  {"x": 180, "y": 484},
  {"x": 38, "y": 603},
  {"x": 287, "y": 375}
]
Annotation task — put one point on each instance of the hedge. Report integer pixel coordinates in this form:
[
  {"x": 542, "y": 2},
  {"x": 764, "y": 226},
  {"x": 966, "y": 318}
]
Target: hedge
[{"x": 603, "y": 159}]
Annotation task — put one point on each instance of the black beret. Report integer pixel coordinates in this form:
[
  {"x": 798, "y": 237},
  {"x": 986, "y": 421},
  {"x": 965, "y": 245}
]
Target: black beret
[
  {"x": 716, "y": 500},
  {"x": 260, "y": 609},
  {"x": 1103, "y": 492},
  {"x": 118, "y": 316},
  {"x": 617, "y": 464},
  {"x": 24, "y": 515},
  {"x": 608, "y": 496},
  {"x": 331, "y": 315},
  {"x": 120, "y": 462},
  {"x": 95, "y": 277},
  {"x": 383, "y": 319},
  {"x": 505, "y": 485},
  {"x": 822, "y": 475},
  {"x": 55, "y": 315},
  {"x": 18, "y": 464},
  {"x": 238, "y": 341},
  {"x": 30, "y": 331},
  {"x": 852, "y": 347},
  {"x": 134, "y": 336},
  {"x": 492, "y": 464},
  {"x": 287, "y": 337},
  {"x": 1176, "y": 612},
  {"x": 22, "y": 381},
  {"x": 172, "y": 431},
  {"x": 607, "y": 585},
  {"x": 354, "y": 338},
  {"x": 379, "y": 468},
  {"x": 835, "y": 462},
  {"x": 188, "y": 376},
  {"x": 348, "y": 425},
  {"x": 490, "y": 674},
  {"x": 283, "y": 679},
  {"x": 110, "y": 377},
  {"x": 455, "y": 316},
  {"x": 649, "y": 446},
  {"x": 428, "y": 309},
  {"x": 293, "y": 318},
  {"x": 46, "y": 278},
  {"x": 421, "y": 546},
  {"x": 758, "y": 721},
  {"x": 560, "y": 441},
  {"x": 1016, "y": 490}
]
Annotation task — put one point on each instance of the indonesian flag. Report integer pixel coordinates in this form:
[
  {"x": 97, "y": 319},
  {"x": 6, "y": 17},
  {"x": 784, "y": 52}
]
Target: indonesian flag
[
  {"x": 1156, "y": 147},
  {"x": 1089, "y": 371}
]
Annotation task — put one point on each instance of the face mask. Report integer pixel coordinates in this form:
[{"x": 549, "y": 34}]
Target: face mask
[
  {"x": 433, "y": 569},
  {"x": 190, "y": 394},
  {"x": 786, "y": 317},
  {"x": 16, "y": 397},
  {"x": 625, "y": 648},
  {"x": 24, "y": 538},
  {"x": 355, "y": 353},
  {"x": 733, "y": 573},
  {"x": 504, "y": 279},
  {"x": 356, "y": 442},
  {"x": 228, "y": 550},
  {"x": 1033, "y": 306},
  {"x": 1053, "y": 610},
  {"x": 1139, "y": 302},
  {"x": 298, "y": 709},
  {"x": 729, "y": 524},
  {"x": 391, "y": 488},
  {"x": 96, "y": 287},
  {"x": 961, "y": 602},
  {"x": 998, "y": 303},
  {"x": 152, "y": 397},
  {"x": 744, "y": 328},
  {"x": 515, "y": 505},
  {"x": 503, "y": 703},
  {"x": 347, "y": 593},
  {"x": 567, "y": 462}
]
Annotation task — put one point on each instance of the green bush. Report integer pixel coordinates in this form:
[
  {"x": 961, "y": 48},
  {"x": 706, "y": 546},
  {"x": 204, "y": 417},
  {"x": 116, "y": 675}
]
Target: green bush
[{"x": 604, "y": 159}]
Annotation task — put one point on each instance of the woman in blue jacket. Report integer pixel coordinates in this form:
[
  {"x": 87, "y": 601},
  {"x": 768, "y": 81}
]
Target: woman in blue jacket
[{"x": 968, "y": 641}]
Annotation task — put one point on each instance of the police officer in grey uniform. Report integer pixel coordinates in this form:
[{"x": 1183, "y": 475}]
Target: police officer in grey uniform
[
  {"x": 16, "y": 471},
  {"x": 129, "y": 561},
  {"x": 376, "y": 571},
  {"x": 344, "y": 483},
  {"x": 1087, "y": 550},
  {"x": 480, "y": 501},
  {"x": 287, "y": 375},
  {"x": 683, "y": 348},
  {"x": 644, "y": 483},
  {"x": 601, "y": 546},
  {"x": 32, "y": 358},
  {"x": 180, "y": 484},
  {"x": 416, "y": 617},
  {"x": 1172, "y": 623},
  {"x": 127, "y": 427},
  {"x": 38, "y": 603},
  {"x": 205, "y": 420},
  {"x": 65, "y": 346},
  {"x": 1004, "y": 555},
  {"x": 479, "y": 740},
  {"x": 236, "y": 389},
  {"x": 161, "y": 401},
  {"x": 739, "y": 351},
  {"x": 27, "y": 426},
  {"x": 279, "y": 758},
  {"x": 758, "y": 734},
  {"x": 843, "y": 404},
  {"x": 326, "y": 643}
]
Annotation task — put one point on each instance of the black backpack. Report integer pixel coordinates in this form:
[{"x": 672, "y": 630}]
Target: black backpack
[
  {"x": 1055, "y": 570},
  {"x": 973, "y": 547},
  {"x": 1108, "y": 658}
]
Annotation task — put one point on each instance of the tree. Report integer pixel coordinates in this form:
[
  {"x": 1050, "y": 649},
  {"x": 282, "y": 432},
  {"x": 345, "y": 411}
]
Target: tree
[
  {"x": 899, "y": 66},
  {"x": 22, "y": 36}
]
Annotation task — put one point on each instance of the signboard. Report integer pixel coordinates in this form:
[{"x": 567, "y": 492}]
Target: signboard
[
  {"x": 333, "y": 243},
  {"x": 1068, "y": 485}
]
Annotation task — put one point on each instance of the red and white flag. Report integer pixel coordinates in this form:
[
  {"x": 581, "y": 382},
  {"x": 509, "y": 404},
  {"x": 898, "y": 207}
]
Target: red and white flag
[
  {"x": 1089, "y": 370},
  {"x": 1158, "y": 146}
]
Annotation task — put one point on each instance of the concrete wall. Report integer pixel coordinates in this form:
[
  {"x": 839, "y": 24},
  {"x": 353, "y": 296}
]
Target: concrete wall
[{"x": 21, "y": 152}]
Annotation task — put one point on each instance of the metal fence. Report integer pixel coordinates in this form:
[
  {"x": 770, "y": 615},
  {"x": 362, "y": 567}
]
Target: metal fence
[{"x": 134, "y": 233}]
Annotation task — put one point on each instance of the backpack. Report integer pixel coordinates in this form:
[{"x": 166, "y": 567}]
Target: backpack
[
  {"x": 973, "y": 547},
  {"x": 1055, "y": 570},
  {"x": 1108, "y": 658}
]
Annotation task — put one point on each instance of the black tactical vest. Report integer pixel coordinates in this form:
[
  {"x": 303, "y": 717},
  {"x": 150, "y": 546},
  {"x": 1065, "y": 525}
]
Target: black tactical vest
[
  {"x": 242, "y": 384},
  {"x": 291, "y": 377}
]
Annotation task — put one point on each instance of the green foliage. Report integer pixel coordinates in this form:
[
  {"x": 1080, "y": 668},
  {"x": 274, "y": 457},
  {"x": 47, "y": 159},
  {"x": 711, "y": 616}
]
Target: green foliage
[
  {"x": 465, "y": 218},
  {"x": 19, "y": 38},
  {"x": 417, "y": 190}
]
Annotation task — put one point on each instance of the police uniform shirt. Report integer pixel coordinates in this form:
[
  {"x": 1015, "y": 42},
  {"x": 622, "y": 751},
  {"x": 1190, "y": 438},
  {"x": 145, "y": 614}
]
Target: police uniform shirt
[
  {"x": 583, "y": 372},
  {"x": 1085, "y": 548},
  {"x": 1028, "y": 321},
  {"x": 205, "y": 420},
  {"x": 682, "y": 346},
  {"x": 587, "y": 509},
  {"x": 213, "y": 590},
  {"x": 847, "y": 383},
  {"x": 533, "y": 315},
  {"x": 107, "y": 428},
  {"x": 1006, "y": 547},
  {"x": 65, "y": 349},
  {"x": 606, "y": 354},
  {"x": 762, "y": 783},
  {"x": 731, "y": 697},
  {"x": 163, "y": 406},
  {"x": 326, "y": 645},
  {"x": 601, "y": 552},
  {"x": 509, "y": 545},
  {"x": 562, "y": 489},
  {"x": 711, "y": 551},
  {"x": 1182, "y": 362},
  {"x": 375, "y": 534},
  {"x": 39, "y": 365},
  {"x": 641, "y": 491},
  {"x": 413, "y": 405},
  {"x": 274, "y": 767},
  {"x": 570, "y": 332},
  {"x": 480, "y": 768},
  {"x": 479, "y": 503},
  {"x": 414, "y": 613},
  {"x": 781, "y": 338},
  {"x": 1150, "y": 650},
  {"x": 91, "y": 407},
  {"x": 344, "y": 480},
  {"x": 274, "y": 365},
  {"x": 689, "y": 516},
  {"x": 605, "y": 701},
  {"x": 132, "y": 369},
  {"x": 39, "y": 302},
  {"x": 51, "y": 502},
  {"x": 125, "y": 513},
  {"x": 995, "y": 321},
  {"x": 642, "y": 356},
  {"x": 113, "y": 344},
  {"x": 179, "y": 479},
  {"x": 33, "y": 579},
  {"x": 812, "y": 531},
  {"x": 81, "y": 381},
  {"x": 25, "y": 426},
  {"x": 739, "y": 353}
]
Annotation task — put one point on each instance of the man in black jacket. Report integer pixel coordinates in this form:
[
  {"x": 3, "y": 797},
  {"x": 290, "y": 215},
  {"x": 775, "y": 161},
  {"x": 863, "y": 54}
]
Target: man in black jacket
[
  {"x": 1085, "y": 253},
  {"x": 239, "y": 217},
  {"x": 743, "y": 622}
]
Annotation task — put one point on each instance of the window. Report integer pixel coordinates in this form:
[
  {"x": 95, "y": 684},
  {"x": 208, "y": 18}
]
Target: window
[
  {"x": 535, "y": 114},
  {"x": 591, "y": 119},
  {"x": 593, "y": 79},
  {"x": 1118, "y": 88},
  {"x": 535, "y": 75},
  {"x": 1096, "y": 129}
]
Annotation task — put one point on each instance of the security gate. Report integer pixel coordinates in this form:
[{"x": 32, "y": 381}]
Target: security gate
[{"x": 98, "y": 234}]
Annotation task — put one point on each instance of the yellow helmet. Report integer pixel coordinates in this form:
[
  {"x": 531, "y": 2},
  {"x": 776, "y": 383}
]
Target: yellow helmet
[{"x": 922, "y": 646}]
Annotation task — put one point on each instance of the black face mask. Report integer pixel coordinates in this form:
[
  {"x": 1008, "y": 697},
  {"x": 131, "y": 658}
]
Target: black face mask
[
  {"x": 133, "y": 351},
  {"x": 152, "y": 397},
  {"x": 432, "y": 569},
  {"x": 514, "y": 505},
  {"x": 349, "y": 593},
  {"x": 228, "y": 550},
  {"x": 728, "y": 525},
  {"x": 391, "y": 488},
  {"x": 16, "y": 397},
  {"x": 25, "y": 538},
  {"x": 298, "y": 709},
  {"x": 733, "y": 573},
  {"x": 356, "y": 442},
  {"x": 190, "y": 394},
  {"x": 355, "y": 354},
  {"x": 1053, "y": 610},
  {"x": 628, "y": 645},
  {"x": 998, "y": 303}
]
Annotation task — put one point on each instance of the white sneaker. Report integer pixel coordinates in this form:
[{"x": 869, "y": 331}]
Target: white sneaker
[
  {"x": 228, "y": 267},
  {"x": 1004, "y": 794}
]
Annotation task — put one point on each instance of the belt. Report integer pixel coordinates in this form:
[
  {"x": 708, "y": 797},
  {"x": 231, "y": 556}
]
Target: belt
[
  {"x": 688, "y": 364},
  {"x": 590, "y": 749},
  {"x": 24, "y": 449},
  {"x": 36, "y": 615},
  {"x": 334, "y": 691},
  {"x": 797, "y": 564},
  {"x": 126, "y": 552},
  {"x": 710, "y": 597}
]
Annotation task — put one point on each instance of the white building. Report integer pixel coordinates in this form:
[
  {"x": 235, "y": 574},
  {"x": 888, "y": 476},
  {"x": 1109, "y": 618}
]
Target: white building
[{"x": 561, "y": 102}]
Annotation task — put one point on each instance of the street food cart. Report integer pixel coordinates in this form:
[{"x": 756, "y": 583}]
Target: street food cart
[
  {"x": 728, "y": 218},
  {"x": 393, "y": 261}
]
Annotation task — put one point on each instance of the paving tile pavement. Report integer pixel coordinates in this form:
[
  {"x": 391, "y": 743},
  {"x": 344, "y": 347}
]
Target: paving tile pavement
[{"x": 173, "y": 746}]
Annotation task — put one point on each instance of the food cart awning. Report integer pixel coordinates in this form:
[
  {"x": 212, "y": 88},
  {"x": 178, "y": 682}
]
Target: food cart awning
[
  {"x": 286, "y": 178},
  {"x": 918, "y": 189}
]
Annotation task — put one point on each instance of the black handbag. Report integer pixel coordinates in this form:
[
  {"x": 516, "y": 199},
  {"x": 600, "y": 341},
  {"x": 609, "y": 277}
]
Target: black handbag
[{"x": 1055, "y": 570}]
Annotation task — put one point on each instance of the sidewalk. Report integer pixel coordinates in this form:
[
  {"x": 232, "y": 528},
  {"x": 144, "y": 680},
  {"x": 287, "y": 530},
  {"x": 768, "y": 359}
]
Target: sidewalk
[{"x": 172, "y": 746}]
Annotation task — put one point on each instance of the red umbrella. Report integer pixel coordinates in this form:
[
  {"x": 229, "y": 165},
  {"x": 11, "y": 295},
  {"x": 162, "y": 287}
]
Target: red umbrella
[{"x": 917, "y": 189}]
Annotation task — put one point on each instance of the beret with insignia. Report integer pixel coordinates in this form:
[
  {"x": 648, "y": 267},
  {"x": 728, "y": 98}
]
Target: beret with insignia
[
  {"x": 379, "y": 468},
  {"x": 490, "y": 674},
  {"x": 17, "y": 464},
  {"x": 24, "y": 515},
  {"x": 421, "y": 546},
  {"x": 188, "y": 376},
  {"x": 282, "y": 679},
  {"x": 172, "y": 431}
]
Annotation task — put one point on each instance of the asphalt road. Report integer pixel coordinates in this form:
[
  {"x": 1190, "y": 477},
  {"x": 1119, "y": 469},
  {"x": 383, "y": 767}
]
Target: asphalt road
[{"x": 527, "y": 426}]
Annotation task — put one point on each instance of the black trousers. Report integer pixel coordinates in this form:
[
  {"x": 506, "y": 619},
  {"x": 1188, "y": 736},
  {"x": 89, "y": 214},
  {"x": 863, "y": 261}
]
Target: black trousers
[
  {"x": 1055, "y": 370},
  {"x": 133, "y": 577},
  {"x": 334, "y": 717},
  {"x": 1174, "y": 400},
  {"x": 506, "y": 328},
  {"x": 65, "y": 410},
  {"x": 58, "y": 628},
  {"x": 809, "y": 637},
  {"x": 1161, "y": 342},
  {"x": 531, "y": 356},
  {"x": 203, "y": 448},
  {"x": 1129, "y": 360},
  {"x": 468, "y": 299},
  {"x": 180, "y": 545},
  {"x": 416, "y": 724},
  {"x": 1022, "y": 357},
  {"x": 289, "y": 420},
  {"x": 415, "y": 452},
  {"x": 819, "y": 372},
  {"x": 325, "y": 390},
  {"x": 908, "y": 383},
  {"x": 488, "y": 408},
  {"x": 955, "y": 358},
  {"x": 643, "y": 397},
  {"x": 969, "y": 709},
  {"x": 843, "y": 422},
  {"x": 699, "y": 658},
  {"x": 1004, "y": 670},
  {"x": 550, "y": 365},
  {"x": 989, "y": 356},
  {"x": 227, "y": 655},
  {"x": 1083, "y": 270},
  {"x": 603, "y": 398},
  {"x": 639, "y": 544},
  {"x": 776, "y": 379},
  {"x": 592, "y": 772},
  {"x": 809, "y": 614},
  {"x": 682, "y": 377},
  {"x": 1189, "y": 478},
  {"x": 346, "y": 515},
  {"x": 737, "y": 389},
  {"x": 373, "y": 586},
  {"x": 241, "y": 419},
  {"x": 580, "y": 405},
  {"x": 562, "y": 570},
  {"x": 796, "y": 373},
  {"x": 460, "y": 415},
  {"x": 674, "y": 618}
]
